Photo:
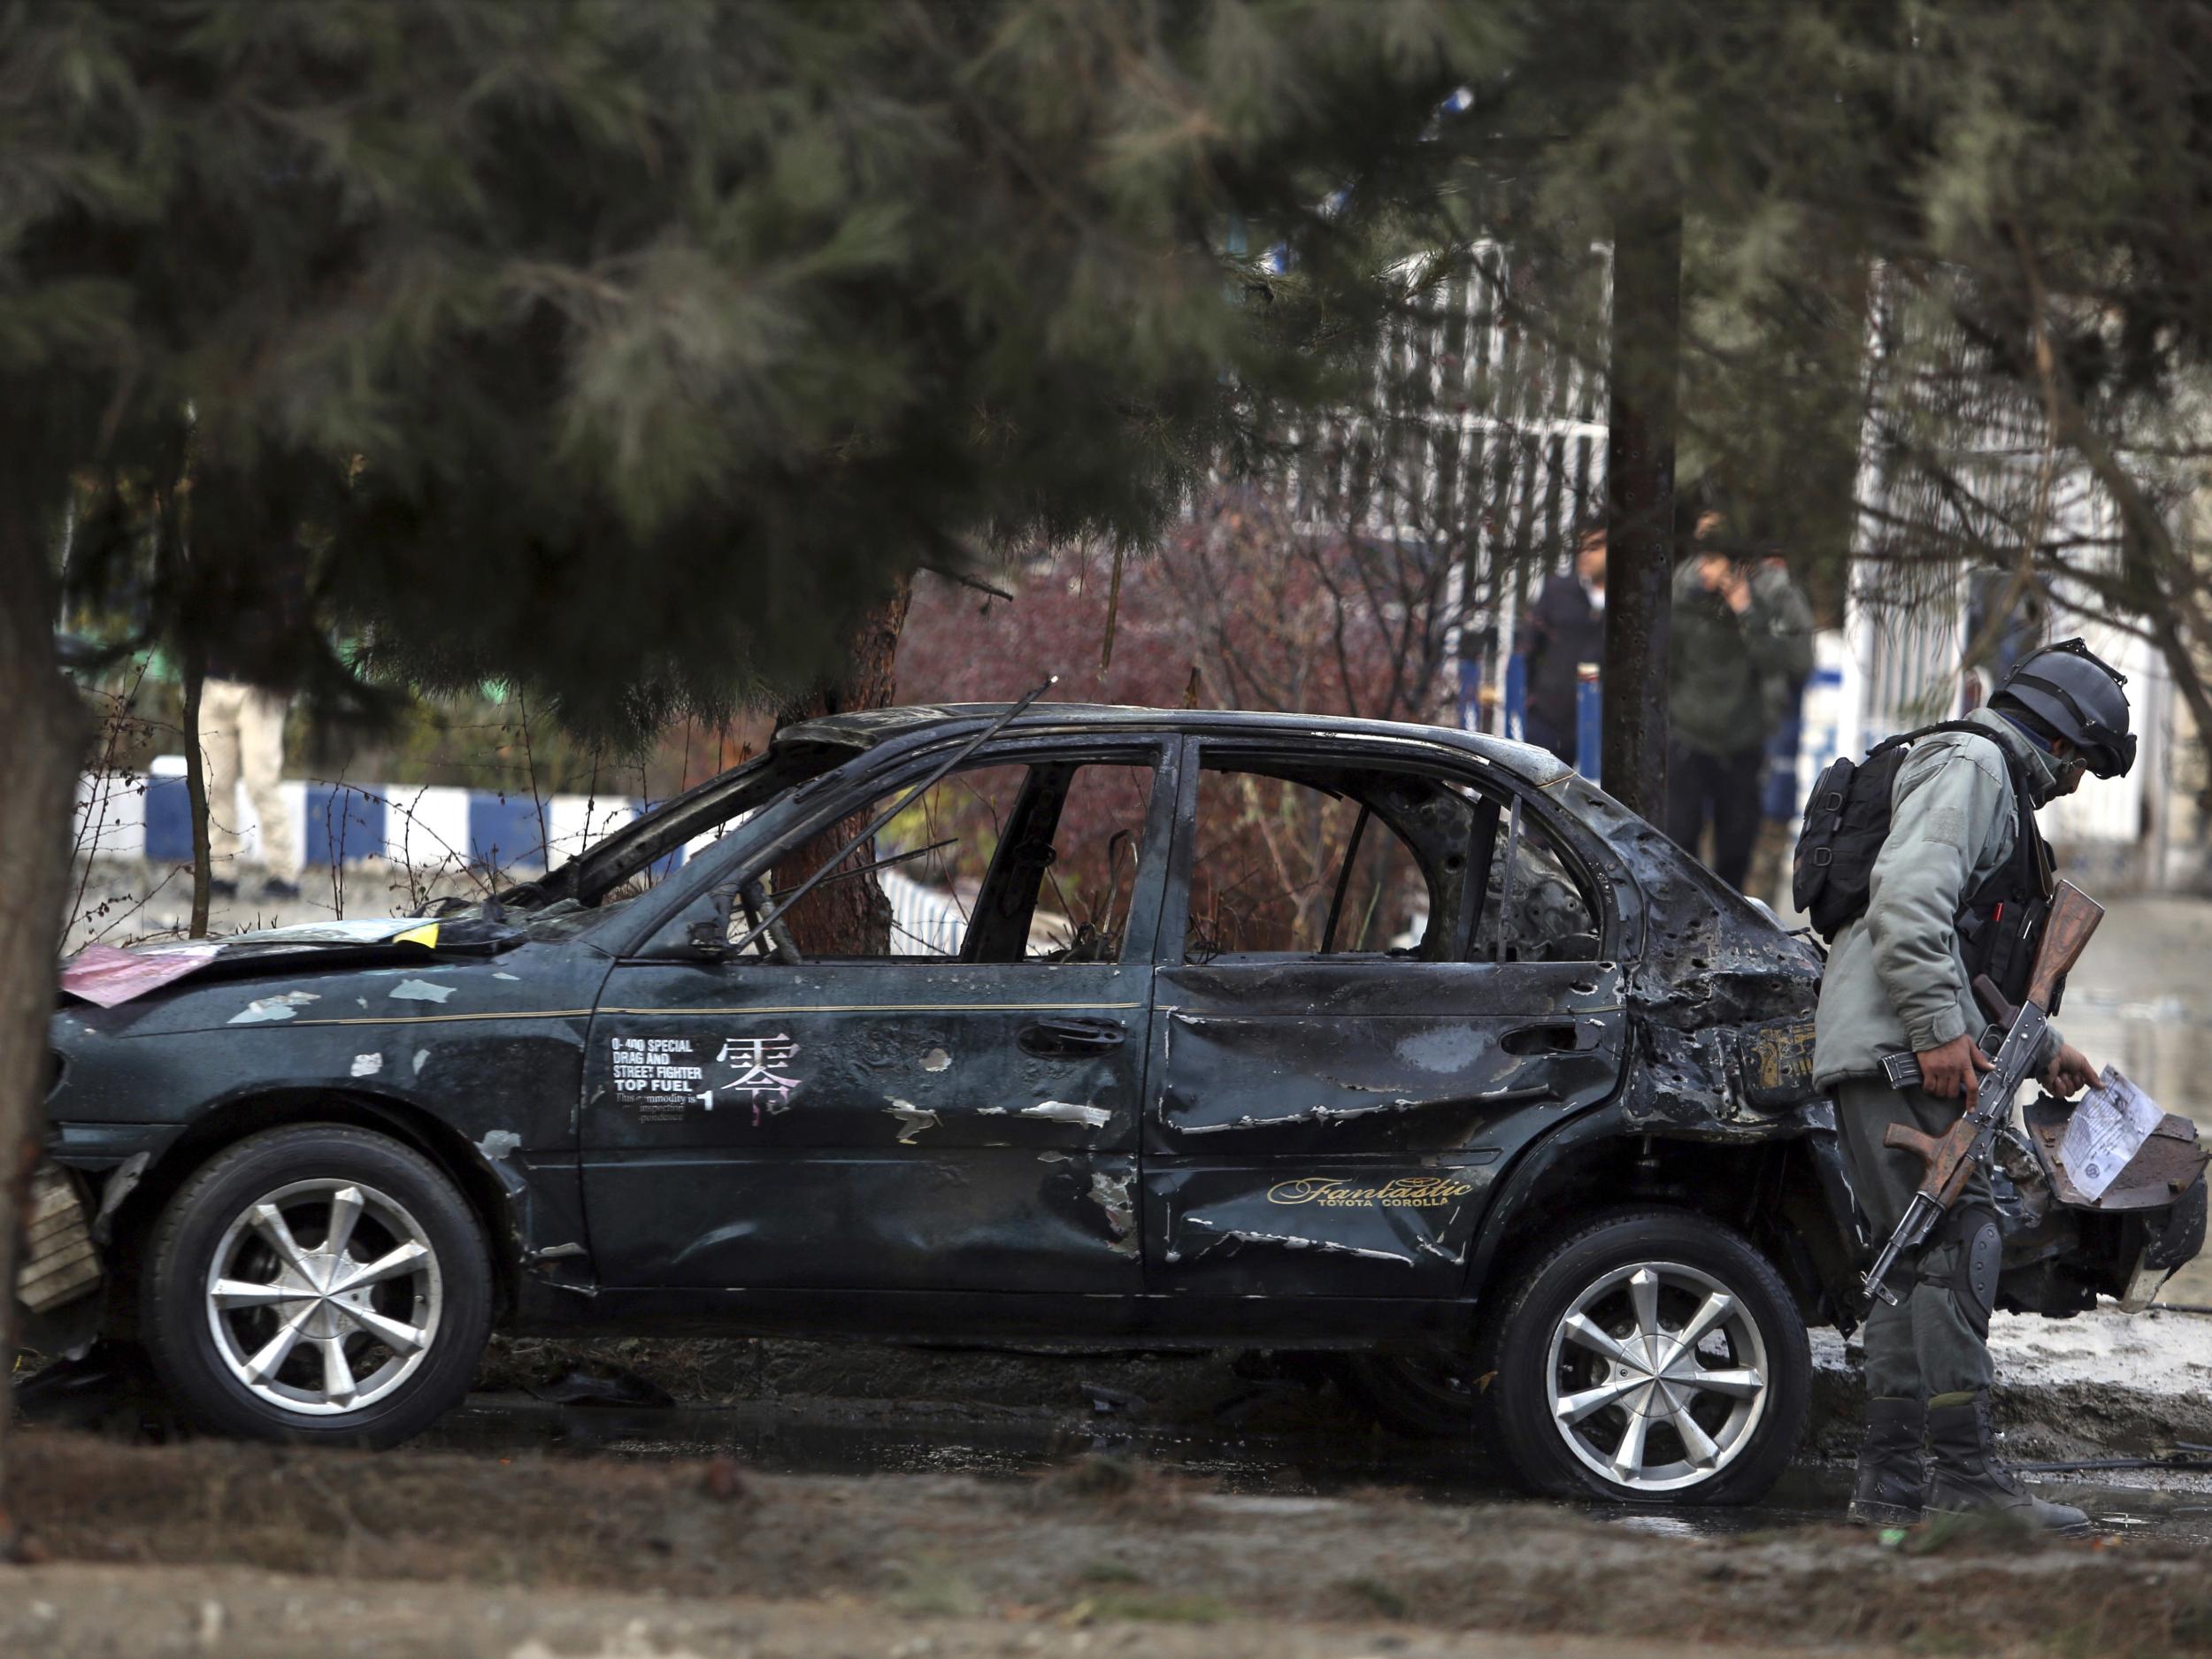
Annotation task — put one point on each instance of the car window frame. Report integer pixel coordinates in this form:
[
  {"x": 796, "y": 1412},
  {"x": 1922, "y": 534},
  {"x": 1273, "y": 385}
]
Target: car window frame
[
  {"x": 787, "y": 823},
  {"x": 1361, "y": 751}
]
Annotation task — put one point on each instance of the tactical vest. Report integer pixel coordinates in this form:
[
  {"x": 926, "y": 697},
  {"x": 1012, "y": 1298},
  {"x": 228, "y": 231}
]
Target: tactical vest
[{"x": 1846, "y": 820}]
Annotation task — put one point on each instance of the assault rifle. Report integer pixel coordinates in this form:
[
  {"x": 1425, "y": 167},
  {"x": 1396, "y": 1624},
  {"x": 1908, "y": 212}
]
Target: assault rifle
[{"x": 1951, "y": 1158}]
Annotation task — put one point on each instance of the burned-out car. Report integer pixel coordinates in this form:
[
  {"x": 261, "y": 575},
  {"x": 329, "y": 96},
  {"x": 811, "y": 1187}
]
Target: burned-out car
[{"x": 1098, "y": 1025}]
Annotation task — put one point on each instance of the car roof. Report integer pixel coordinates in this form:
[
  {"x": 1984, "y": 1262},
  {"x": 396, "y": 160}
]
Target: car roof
[{"x": 868, "y": 728}]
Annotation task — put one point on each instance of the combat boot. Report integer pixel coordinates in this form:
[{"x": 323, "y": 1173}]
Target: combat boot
[
  {"x": 1970, "y": 1480},
  {"x": 1892, "y": 1474}
]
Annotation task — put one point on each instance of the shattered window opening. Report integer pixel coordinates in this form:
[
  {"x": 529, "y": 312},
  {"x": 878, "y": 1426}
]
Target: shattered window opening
[
  {"x": 1535, "y": 907},
  {"x": 1285, "y": 863},
  {"x": 1274, "y": 861},
  {"x": 1029, "y": 861}
]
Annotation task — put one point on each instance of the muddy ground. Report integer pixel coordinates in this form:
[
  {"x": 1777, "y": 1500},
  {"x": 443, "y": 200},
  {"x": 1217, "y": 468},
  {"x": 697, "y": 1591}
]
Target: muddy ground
[
  {"x": 458, "y": 1554},
  {"x": 818, "y": 1499}
]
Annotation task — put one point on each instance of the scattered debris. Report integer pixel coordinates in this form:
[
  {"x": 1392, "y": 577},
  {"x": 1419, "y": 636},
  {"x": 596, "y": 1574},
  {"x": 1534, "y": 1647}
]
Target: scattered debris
[
  {"x": 119, "y": 1185},
  {"x": 1105, "y": 1400},
  {"x": 2182, "y": 1461},
  {"x": 623, "y": 1388}
]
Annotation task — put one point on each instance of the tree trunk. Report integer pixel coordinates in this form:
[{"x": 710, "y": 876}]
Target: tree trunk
[
  {"x": 196, "y": 794},
  {"x": 40, "y": 747},
  {"x": 849, "y": 918},
  {"x": 1639, "y": 502}
]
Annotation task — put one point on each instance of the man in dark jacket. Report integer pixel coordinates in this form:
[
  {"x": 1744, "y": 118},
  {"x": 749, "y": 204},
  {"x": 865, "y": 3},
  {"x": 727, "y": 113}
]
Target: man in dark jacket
[
  {"x": 1562, "y": 630},
  {"x": 1742, "y": 635}
]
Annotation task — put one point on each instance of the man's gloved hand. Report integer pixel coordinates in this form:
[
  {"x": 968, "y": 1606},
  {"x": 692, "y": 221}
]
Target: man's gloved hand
[
  {"x": 1954, "y": 1071},
  {"x": 2070, "y": 1073}
]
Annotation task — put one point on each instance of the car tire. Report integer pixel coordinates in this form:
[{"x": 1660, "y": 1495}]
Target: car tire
[
  {"x": 1594, "y": 1392},
  {"x": 384, "y": 1334}
]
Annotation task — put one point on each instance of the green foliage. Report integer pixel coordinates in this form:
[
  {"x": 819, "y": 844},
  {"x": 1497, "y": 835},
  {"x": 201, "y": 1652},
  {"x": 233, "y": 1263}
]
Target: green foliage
[{"x": 624, "y": 352}]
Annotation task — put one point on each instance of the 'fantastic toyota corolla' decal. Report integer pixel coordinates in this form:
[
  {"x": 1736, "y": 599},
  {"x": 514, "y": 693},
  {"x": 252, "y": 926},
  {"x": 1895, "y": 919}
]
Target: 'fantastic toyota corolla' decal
[{"x": 1407, "y": 1192}]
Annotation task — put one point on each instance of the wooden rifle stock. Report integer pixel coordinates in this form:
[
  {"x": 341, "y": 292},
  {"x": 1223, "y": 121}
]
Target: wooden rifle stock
[
  {"x": 2074, "y": 918},
  {"x": 1948, "y": 1157}
]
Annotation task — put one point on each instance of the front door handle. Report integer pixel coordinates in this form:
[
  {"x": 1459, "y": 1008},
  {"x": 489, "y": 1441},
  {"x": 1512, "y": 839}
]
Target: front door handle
[
  {"x": 1552, "y": 1036},
  {"x": 1068, "y": 1038}
]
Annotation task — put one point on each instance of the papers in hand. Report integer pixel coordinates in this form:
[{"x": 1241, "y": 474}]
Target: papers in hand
[{"x": 2109, "y": 1127}]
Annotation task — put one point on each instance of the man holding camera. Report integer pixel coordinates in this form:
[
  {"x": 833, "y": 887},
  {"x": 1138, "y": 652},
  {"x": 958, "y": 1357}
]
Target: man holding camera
[{"x": 1742, "y": 636}]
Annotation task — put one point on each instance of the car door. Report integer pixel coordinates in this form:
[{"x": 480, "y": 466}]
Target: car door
[
  {"x": 1330, "y": 1098},
  {"x": 955, "y": 1111}
]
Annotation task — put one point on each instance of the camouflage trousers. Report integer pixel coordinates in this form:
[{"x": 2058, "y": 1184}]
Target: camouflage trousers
[{"x": 1936, "y": 1339}]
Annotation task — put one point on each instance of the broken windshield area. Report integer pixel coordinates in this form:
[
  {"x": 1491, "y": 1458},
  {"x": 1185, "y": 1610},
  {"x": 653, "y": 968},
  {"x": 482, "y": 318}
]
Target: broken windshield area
[{"x": 625, "y": 866}]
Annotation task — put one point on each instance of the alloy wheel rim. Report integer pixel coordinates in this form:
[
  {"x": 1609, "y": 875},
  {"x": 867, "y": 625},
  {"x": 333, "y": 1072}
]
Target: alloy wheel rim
[
  {"x": 324, "y": 1296},
  {"x": 1657, "y": 1377}
]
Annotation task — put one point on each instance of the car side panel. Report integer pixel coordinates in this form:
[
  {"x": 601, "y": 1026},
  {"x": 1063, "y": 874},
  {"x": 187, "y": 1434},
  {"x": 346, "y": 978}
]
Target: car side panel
[
  {"x": 1319, "y": 1128},
  {"x": 863, "y": 1124}
]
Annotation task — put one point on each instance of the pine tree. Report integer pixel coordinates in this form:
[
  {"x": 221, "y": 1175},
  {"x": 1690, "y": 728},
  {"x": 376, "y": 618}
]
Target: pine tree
[{"x": 628, "y": 353}]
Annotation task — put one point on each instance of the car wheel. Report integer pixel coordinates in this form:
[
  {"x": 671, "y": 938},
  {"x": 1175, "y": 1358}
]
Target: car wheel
[
  {"x": 316, "y": 1283},
  {"x": 1651, "y": 1354},
  {"x": 1424, "y": 1396}
]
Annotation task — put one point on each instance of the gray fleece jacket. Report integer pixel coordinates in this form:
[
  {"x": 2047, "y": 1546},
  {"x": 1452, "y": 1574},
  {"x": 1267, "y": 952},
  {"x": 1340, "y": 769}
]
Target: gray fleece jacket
[{"x": 1895, "y": 978}]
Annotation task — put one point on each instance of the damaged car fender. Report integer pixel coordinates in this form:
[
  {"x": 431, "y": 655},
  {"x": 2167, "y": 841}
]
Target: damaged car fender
[{"x": 471, "y": 1060}]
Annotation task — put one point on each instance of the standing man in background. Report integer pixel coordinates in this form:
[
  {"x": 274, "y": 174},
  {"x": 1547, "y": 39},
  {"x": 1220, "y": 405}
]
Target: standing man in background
[
  {"x": 1742, "y": 636},
  {"x": 1562, "y": 630},
  {"x": 241, "y": 735},
  {"x": 265, "y": 608}
]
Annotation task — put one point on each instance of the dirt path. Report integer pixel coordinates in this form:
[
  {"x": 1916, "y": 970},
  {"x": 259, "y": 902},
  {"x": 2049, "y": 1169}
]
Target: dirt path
[
  {"x": 74, "y": 1612},
  {"x": 566, "y": 1547}
]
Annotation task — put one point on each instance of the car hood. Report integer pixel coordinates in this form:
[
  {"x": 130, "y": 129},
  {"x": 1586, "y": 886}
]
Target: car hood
[{"x": 106, "y": 976}]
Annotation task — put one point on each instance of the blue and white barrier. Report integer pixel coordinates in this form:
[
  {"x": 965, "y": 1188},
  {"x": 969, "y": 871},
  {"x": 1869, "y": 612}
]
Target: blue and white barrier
[{"x": 134, "y": 815}]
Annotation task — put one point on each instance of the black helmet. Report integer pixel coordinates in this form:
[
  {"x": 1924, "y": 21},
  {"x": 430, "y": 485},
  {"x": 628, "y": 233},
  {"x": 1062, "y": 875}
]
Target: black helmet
[{"x": 2072, "y": 693}]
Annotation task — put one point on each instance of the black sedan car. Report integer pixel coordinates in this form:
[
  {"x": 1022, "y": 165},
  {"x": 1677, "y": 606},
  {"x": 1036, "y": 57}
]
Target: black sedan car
[{"x": 1091, "y": 1024}]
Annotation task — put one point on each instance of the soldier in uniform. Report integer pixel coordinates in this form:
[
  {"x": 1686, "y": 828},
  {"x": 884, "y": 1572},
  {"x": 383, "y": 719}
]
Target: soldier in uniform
[{"x": 1958, "y": 876}]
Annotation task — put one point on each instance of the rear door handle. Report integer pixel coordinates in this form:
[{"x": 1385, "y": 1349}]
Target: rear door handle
[
  {"x": 1552, "y": 1036},
  {"x": 1066, "y": 1039}
]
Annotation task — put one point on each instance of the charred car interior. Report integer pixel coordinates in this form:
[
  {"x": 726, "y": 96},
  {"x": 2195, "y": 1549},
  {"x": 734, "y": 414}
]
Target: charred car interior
[{"x": 1110, "y": 1025}]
